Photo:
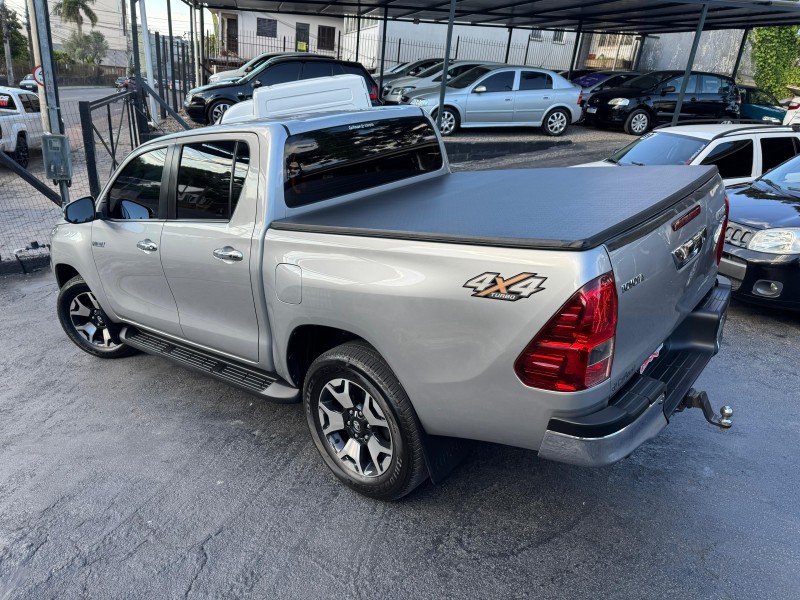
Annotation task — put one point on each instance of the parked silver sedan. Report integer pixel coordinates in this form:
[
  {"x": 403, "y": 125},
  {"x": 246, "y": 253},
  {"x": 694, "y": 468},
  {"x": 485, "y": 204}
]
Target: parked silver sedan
[
  {"x": 504, "y": 96},
  {"x": 429, "y": 78}
]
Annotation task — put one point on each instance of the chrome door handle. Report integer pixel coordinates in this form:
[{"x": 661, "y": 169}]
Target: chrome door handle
[
  {"x": 228, "y": 253},
  {"x": 545, "y": 97},
  {"x": 508, "y": 99},
  {"x": 147, "y": 245}
]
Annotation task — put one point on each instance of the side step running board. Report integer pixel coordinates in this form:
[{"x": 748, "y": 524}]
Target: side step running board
[{"x": 261, "y": 383}]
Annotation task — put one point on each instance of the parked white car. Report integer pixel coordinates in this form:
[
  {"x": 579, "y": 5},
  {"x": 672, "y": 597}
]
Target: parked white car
[
  {"x": 793, "y": 107},
  {"x": 429, "y": 78},
  {"x": 740, "y": 152},
  {"x": 20, "y": 123}
]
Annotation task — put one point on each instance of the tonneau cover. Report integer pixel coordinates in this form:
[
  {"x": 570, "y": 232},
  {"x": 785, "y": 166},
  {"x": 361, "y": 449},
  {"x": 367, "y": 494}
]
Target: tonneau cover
[{"x": 569, "y": 209}]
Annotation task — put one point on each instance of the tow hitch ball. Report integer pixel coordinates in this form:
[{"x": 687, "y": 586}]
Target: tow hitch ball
[{"x": 695, "y": 399}]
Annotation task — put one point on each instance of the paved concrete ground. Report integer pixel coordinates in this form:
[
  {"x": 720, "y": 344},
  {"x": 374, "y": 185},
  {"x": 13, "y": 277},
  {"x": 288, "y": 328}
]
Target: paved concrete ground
[{"x": 138, "y": 479}]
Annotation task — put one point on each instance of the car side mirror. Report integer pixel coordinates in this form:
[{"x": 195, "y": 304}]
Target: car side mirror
[
  {"x": 80, "y": 211},
  {"x": 667, "y": 90},
  {"x": 256, "y": 84},
  {"x": 479, "y": 89}
]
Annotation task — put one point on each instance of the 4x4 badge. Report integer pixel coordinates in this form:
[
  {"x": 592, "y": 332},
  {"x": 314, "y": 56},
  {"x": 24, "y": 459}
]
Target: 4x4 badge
[{"x": 493, "y": 286}]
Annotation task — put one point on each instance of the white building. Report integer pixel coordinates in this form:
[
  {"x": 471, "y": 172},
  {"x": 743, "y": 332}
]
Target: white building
[{"x": 109, "y": 23}]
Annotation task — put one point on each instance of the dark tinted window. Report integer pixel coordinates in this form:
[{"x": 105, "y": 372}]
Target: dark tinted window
[
  {"x": 468, "y": 78},
  {"x": 326, "y": 37},
  {"x": 659, "y": 149},
  {"x": 7, "y": 102},
  {"x": 733, "y": 159},
  {"x": 205, "y": 188},
  {"x": 676, "y": 82},
  {"x": 30, "y": 102},
  {"x": 775, "y": 150},
  {"x": 499, "y": 82},
  {"x": 331, "y": 162},
  {"x": 316, "y": 69},
  {"x": 531, "y": 80},
  {"x": 282, "y": 73},
  {"x": 714, "y": 85},
  {"x": 136, "y": 191},
  {"x": 647, "y": 81}
]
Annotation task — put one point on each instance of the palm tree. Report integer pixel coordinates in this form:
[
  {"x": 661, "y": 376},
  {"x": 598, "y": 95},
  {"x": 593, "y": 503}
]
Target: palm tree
[{"x": 74, "y": 11}]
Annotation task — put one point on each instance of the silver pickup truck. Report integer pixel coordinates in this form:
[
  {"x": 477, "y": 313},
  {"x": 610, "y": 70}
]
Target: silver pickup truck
[{"x": 335, "y": 258}]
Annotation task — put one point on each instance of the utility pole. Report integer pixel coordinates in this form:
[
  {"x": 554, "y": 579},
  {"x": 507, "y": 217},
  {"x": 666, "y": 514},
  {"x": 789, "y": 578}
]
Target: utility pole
[
  {"x": 37, "y": 60},
  {"x": 148, "y": 60},
  {"x": 6, "y": 43},
  {"x": 30, "y": 37}
]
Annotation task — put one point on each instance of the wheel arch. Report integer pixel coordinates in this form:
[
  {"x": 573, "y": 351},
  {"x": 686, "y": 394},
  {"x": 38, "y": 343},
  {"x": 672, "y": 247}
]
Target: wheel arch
[
  {"x": 64, "y": 273},
  {"x": 307, "y": 342},
  {"x": 453, "y": 107}
]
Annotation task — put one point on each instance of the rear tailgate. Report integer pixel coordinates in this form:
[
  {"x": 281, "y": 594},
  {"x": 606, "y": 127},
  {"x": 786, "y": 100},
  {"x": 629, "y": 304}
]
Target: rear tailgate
[{"x": 663, "y": 269}]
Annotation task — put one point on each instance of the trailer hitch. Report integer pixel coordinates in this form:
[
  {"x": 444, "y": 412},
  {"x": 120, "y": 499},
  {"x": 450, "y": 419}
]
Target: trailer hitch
[{"x": 695, "y": 399}]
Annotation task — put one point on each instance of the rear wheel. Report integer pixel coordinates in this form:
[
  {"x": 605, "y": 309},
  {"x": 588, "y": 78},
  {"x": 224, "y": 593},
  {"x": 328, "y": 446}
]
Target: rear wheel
[
  {"x": 362, "y": 422},
  {"x": 638, "y": 122},
  {"x": 21, "y": 153},
  {"x": 85, "y": 322},
  {"x": 555, "y": 122},
  {"x": 450, "y": 121}
]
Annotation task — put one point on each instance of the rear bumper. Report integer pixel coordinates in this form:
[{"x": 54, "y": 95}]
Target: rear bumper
[{"x": 643, "y": 407}]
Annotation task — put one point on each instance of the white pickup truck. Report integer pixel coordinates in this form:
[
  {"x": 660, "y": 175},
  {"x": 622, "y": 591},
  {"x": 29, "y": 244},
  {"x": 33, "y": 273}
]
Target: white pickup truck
[
  {"x": 20, "y": 124},
  {"x": 334, "y": 258}
]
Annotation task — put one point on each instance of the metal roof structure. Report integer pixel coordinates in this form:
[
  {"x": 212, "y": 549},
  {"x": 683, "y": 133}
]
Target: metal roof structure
[{"x": 617, "y": 16}]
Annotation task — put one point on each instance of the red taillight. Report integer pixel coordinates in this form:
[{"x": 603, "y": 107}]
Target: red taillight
[
  {"x": 793, "y": 105},
  {"x": 373, "y": 92},
  {"x": 721, "y": 240},
  {"x": 739, "y": 99},
  {"x": 575, "y": 349},
  {"x": 580, "y": 98}
]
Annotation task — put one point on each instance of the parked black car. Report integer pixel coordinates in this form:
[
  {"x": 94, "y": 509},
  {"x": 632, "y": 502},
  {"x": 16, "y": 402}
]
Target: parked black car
[
  {"x": 762, "y": 241},
  {"x": 206, "y": 104},
  {"x": 641, "y": 102}
]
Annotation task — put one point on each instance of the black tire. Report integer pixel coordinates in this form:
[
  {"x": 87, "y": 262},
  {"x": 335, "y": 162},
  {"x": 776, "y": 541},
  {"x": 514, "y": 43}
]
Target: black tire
[
  {"x": 74, "y": 293},
  {"x": 451, "y": 121},
  {"x": 556, "y": 122},
  {"x": 638, "y": 122},
  {"x": 219, "y": 106},
  {"x": 21, "y": 153},
  {"x": 360, "y": 364}
]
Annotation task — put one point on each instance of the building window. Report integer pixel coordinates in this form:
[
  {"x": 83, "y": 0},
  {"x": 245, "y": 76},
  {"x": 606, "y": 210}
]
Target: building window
[
  {"x": 536, "y": 35},
  {"x": 267, "y": 28},
  {"x": 558, "y": 37},
  {"x": 326, "y": 37}
]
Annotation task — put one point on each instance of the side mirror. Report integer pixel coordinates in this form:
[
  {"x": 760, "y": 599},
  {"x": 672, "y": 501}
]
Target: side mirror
[
  {"x": 479, "y": 89},
  {"x": 667, "y": 90},
  {"x": 80, "y": 210},
  {"x": 256, "y": 84}
]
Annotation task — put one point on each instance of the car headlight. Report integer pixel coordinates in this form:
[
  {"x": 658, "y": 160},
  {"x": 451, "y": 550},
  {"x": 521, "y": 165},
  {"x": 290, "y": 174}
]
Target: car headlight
[
  {"x": 420, "y": 101},
  {"x": 619, "y": 102},
  {"x": 188, "y": 101},
  {"x": 776, "y": 241},
  {"x": 405, "y": 90}
]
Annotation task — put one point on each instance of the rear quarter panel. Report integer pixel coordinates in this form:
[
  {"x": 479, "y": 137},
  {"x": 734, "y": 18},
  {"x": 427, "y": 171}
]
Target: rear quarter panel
[{"x": 453, "y": 353}]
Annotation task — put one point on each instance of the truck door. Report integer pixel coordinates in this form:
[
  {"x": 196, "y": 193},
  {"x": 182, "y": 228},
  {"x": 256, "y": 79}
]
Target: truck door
[
  {"x": 126, "y": 245},
  {"x": 494, "y": 102},
  {"x": 206, "y": 244}
]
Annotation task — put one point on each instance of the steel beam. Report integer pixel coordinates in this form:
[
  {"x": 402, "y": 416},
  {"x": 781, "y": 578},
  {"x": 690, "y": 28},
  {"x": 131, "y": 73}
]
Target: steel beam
[
  {"x": 446, "y": 64},
  {"x": 688, "y": 71}
]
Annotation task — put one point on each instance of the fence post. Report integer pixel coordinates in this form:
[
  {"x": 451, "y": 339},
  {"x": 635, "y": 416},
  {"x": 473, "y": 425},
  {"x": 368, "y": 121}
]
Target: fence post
[
  {"x": 284, "y": 43},
  {"x": 399, "y": 42},
  {"x": 85, "y": 111}
]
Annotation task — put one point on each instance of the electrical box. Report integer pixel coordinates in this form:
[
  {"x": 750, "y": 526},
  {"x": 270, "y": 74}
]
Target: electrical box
[{"x": 57, "y": 157}]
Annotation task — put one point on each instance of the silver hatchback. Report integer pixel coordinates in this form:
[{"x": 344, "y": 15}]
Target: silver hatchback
[{"x": 504, "y": 96}]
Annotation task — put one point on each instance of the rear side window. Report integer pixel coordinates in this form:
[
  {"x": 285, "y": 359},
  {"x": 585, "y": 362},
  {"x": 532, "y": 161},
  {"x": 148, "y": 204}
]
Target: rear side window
[
  {"x": 206, "y": 189},
  {"x": 733, "y": 159},
  {"x": 332, "y": 162},
  {"x": 30, "y": 102},
  {"x": 775, "y": 150},
  {"x": 531, "y": 80},
  {"x": 136, "y": 191},
  {"x": 7, "y": 102},
  {"x": 312, "y": 70},
  {"x": 281, "y": 73}
]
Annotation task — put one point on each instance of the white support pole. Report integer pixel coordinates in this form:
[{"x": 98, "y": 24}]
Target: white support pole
[
  {"x": 7, "y": 44},
  {"x": 148, "y": 61}
]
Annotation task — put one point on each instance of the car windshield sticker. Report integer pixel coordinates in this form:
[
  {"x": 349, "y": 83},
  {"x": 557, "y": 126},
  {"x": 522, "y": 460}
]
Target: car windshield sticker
[
  {"x": 493, "y": 286},
  {"x": 4, "y": 100}
]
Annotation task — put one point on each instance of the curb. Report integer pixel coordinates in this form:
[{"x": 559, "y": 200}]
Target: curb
[{"x": 24, "y": 265}]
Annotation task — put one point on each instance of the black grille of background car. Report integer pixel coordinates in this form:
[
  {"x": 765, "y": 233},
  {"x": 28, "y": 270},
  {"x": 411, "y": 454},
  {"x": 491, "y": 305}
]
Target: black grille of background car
[{"x": 739, "y": 235}]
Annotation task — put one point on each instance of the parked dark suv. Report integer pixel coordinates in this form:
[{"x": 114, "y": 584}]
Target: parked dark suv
[
  {"x": 641, "y": 102},
  {"x": 206, "y": 104}
]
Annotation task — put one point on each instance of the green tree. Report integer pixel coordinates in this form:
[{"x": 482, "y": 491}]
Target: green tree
[
  {"x": 90, "y": 48},
  {"x": 775, "y": 53},
  {"x": 74, "y": 11},
  {"x": 18, "y": 41}
]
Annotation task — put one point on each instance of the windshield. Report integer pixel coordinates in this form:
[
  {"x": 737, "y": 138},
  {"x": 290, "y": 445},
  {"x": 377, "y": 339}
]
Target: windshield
[
  {"x": 397, "y": 68},
  {"x": 785, "y": 176},
  {"x": 468, "y": 78},
  {"x": 434, "y": 70},
  {"x": 647, "y": 81},
  {"x": 659, "y": 149},
  {"x": 590, "y": 79}
]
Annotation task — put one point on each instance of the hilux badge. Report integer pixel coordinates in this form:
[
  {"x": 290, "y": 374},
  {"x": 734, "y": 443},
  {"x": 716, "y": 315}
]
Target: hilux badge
[{"x": 493, "y": 286}]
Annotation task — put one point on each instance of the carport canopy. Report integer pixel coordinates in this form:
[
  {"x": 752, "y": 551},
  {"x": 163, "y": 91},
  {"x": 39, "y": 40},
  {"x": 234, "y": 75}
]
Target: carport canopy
[{"x": 641, "y": 17}]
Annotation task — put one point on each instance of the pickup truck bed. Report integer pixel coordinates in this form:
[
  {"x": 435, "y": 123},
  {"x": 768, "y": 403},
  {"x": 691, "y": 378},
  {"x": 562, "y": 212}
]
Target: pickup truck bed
[{"x": 493, "y": 208}]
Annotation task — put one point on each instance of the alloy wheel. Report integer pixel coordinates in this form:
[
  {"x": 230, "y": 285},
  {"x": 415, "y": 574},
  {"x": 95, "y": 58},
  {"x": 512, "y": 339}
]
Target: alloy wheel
[
  {"x": 355, "y": 428},
  {"x": 557, "y": 122},
  {"x": 448, "y": 123},
  {"x": 218, "y": 110},
  {"x": 639, "y": 123},
  {"x": 89, "y": 321}
]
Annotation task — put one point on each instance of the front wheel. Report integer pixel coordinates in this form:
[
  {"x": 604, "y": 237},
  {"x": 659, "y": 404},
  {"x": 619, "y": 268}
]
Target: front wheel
[
  {"x": 216, "y": 111},
  {"x": 85, "y": 322},
  {"x": 450, "y": 121},
  {"x": 638, "y": 122},
  {"x": 556, "y": 122},
  {"x": 362, "y": 422}
]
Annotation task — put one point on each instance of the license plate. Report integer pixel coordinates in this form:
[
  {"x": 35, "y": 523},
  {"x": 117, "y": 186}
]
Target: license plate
[{"x": 591, "y": 110}]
